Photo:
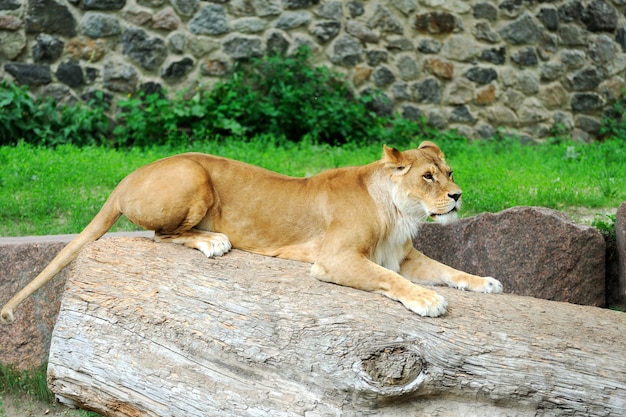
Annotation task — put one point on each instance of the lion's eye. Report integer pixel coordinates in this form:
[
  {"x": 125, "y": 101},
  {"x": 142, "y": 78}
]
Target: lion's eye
[
  {"x": 428, "y": 177},
  {"x": 450, "y": 174}
]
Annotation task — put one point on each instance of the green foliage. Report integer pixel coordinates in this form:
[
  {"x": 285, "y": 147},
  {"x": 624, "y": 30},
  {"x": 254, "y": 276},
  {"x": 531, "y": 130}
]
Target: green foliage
[
  {"x": 41, "y": 121},
  {"x": 614, "y": 121},
  {"x": 32, "y": 383},
  {"x": 605, "y": 223}
]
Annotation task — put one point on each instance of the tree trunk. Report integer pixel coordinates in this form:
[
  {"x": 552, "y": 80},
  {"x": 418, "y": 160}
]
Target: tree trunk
[{"x": 148, "y": 329}]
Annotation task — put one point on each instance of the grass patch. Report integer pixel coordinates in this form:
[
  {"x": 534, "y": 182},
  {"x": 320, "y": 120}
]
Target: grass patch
[
  {"x": 32, "y": 383},
  {"x": 52, "y": 191}
]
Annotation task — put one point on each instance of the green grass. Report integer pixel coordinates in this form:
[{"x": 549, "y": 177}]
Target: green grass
[{"x": 52, "y": 191}]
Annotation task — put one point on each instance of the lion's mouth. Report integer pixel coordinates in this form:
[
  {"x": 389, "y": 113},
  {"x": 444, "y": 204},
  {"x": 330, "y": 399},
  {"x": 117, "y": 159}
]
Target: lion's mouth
[{"x": 434, "y": 216}]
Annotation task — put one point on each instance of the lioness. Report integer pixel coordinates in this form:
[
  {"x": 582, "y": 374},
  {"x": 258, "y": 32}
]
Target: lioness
[{"x": 354, "y": 224}]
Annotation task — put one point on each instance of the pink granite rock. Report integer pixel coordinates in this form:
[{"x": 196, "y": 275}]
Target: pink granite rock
[{"x": 533, "y": 251}]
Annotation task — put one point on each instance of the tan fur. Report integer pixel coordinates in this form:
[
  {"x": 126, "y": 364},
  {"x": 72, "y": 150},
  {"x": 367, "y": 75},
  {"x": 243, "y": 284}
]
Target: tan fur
[{"x": 354, "y": 224}]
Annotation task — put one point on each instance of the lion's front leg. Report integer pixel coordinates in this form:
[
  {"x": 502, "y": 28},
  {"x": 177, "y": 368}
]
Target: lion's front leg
[
  {"x": 418, "y": 267},
  {"x": 356, "y": 271}
]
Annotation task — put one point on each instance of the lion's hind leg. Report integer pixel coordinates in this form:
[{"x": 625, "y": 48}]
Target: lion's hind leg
[{"x": 209, "y": 243}]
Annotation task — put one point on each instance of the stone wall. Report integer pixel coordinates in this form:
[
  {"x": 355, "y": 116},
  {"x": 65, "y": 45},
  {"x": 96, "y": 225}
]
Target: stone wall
[{"x": 479, "y": 66}]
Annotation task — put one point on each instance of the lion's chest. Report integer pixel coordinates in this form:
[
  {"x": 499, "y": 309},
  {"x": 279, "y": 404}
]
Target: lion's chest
[{"x": 390, "y": 250}]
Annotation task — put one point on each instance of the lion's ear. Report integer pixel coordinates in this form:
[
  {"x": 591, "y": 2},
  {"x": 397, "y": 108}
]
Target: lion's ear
[
  {"x": 431, "y": 147},
  {"x": 395, "y": 161}
]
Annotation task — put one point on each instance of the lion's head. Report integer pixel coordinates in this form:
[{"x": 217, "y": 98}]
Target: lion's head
[{"x": 425, "y": 186}]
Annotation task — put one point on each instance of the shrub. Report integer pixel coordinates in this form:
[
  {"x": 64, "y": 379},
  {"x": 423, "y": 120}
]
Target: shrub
[{"x": 41, "y": 121}]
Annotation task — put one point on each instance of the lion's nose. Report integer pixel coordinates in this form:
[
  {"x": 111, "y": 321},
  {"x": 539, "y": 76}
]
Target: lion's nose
[{"x": 455, "y": 196}]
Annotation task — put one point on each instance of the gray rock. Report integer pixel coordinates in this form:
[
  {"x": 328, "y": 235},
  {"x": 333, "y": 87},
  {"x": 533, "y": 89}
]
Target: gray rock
[
  {"x": 495, "y": 56},
  {"x": 376, "y": 56},
  {"x": 10, "y": 4},
  {"x": 386, "y": 21},
  {"x": 346, "y": 51},
  {"x": 299, "y": 4},
  {"x": 481, "y": 75},
  {"x": 461, "y": 114},
  {"x": 602, "y": 50},
  {"x": 485, "y": 11},
  {"x": 620, "y": 38},
  {"x": 49, "y": 17},
  {"x": 383, "y": 76},
  {"x": 248, "y": 25},
  {"x": 70, "y": 73},
  {"x": 587, "y": 78},
  {"x": 29, "y": 74},
  {"x": 362, "y": 32},
  {"x": 583, "y": 102},
  {"x": 331, "y": 10},
  {"x": 267, "y": 7},
  {"x": 409, "y": 111},
  {"x": 599, "y": 16},
  {"x": 429, "y": 46},
  {"x": 482, "y": 31},
  {"x": 148, "y": 51},
  {"x": 104, "y": 4},
  {"x": 121, "y": 78},
  {"x": 588, "y": 124},
  {"x": 177, "y": 69},
  {"x": 400, "y": 91},
  {"x": 355, "y": 8},
  {"x": 293, "y": 19},
  {"x": 572, "y": 58},
  {"x": 533, "y": 251},
  {"x": 549, "y": 17},
  {"x": 325, "y": 30},
  {"x": 185, "y": 7},
  {"x": 427, "y": 91},
  {"x": 525, "y": 57},
  {"x": 524, "y": 30},
  {"x": 620, "y": 235},
  {"x": 436, "y": 23},
  {"x": 47, "y": 48},
  {"x": 277, "y": 43},
  {"x": 407, "y": 67},
  {"x": 99, "y": 25},
  {"x": 240, "y": 47},
  {"x": 571, "y": 11},
  {"x": 210, "y": 20},
  {"x": 572, "y": 35}
]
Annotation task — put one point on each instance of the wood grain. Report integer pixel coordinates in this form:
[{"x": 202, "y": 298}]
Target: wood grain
[{"x": 148, "y": 329}]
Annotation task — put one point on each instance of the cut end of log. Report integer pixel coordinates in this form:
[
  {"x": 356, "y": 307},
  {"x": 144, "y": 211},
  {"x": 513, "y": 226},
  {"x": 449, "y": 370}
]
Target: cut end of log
[{"x": 394, "y": 366}]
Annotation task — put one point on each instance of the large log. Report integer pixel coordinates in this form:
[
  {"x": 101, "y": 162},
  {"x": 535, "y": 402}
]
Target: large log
[{"x": 148, "y": 329}]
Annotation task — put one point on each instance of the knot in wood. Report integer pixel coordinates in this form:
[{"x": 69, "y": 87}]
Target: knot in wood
[{"x": 393, "y": 366}]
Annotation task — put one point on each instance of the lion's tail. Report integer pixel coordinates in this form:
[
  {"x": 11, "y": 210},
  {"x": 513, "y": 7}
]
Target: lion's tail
[{"x": 100, "y": 224}]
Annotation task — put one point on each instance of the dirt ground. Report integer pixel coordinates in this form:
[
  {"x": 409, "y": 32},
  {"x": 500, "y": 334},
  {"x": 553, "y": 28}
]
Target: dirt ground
[{"x": 20, "y": 406}]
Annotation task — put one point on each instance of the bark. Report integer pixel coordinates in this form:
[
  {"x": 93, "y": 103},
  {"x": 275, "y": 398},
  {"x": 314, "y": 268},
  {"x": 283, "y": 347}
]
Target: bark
[{"x": 148, "y": 329}]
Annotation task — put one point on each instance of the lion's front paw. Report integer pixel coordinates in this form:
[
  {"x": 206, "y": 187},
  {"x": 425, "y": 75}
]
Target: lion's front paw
[
  {"x": 426, "y": 303},
  {"x": 491, "y": 285}
]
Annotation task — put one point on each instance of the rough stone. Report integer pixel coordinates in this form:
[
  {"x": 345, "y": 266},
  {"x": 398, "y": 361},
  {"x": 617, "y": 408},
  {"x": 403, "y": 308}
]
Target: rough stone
[
  {"x": 553, "y": 95},
  {"x": 400, "y": 90},
  {"x": 165, "y": 19},
  {"x": 620, "y": 232},
  {"x": 427, "y": 91},
  {"x": 331, "y": 10},
  {"x": 325, "y": 30},
  {"x": 572, "y": 58},
  {"x": 376, "y": 56},
  {"x": 436, "y": 23},
  {"x": 407, "y": 67},
  {"x": 8, "y": 22},
  {"x": 265, "y": 8},
  {"x": 399, "y": 43},
  {"x": 12, "y": 44},
  {"x": 583, "y": 102},
  {"x": 240, "y": 47},
  {"x": 602, "y": 50},
  {"x": 148, "y": 51},
  {"x": 214, "y": 67},
  {"x": 524, "y": 30},
  {"x": 486, "y": 96},
  {"x": 177, "y": 69},
  {"x": 511, "y": 8},
  {"x": 461, "y": 114},
  {"x": 485, "y": 11},
  {"x": 496, "y": 56},
  {"x": 299, "y": 4},
  {"x": 571, "y": 11},
  {"x": 277, "y": 43},
  {"x": 460, "y": 48},
  {"x": 26, "y": 343},
  {"x": 532, "y": 112},
  {"x": 10, "y": 4},
  {"x": 293, "y": 19},
  {"x": 386, "y": 21},
  {"x": 346, "y": 51},
  {"x": 355, "y": 8},
  {"x": 70, "y": 73},
  {"x": 383, "y": 76},
  {"x": 185, "y": 8},
  {"x": 525, "y": 57},
  {"x": 482, "y": 31},
  {"x": 586, "y": 78},
  {"x": 409, "y": 111},
  {"x": 137, "y": 16},
  {"x": 104, "y": 4},
  {"x": 429, "y": 46},
  {"x": 120, "y": 78},
  {"x": 440, "y": 68},
  {"x": 47, "y": 48},
  {"x": 588, "y": 124},
  {"x": 210, "y": 20},
  {"x": 549, "y": 17},
  {"x": 362, "y": 32},
  {"x": 599, "y": 16},
  {"x": 572, "y": 35},
  {"x": 99, "y": 25},
  {"x": 459, "y": 91},
  {"x": 88, "y": 49},
  {"x": 48, "y": 16},
  {"x": 533, "y": 251},
  {"x": 481, "y": 75},
  {"x": 29, "y": 74}
]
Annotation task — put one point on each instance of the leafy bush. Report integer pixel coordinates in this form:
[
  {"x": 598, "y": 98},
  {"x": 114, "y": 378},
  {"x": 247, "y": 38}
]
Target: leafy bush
[{"x": 41, "y": 121}]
